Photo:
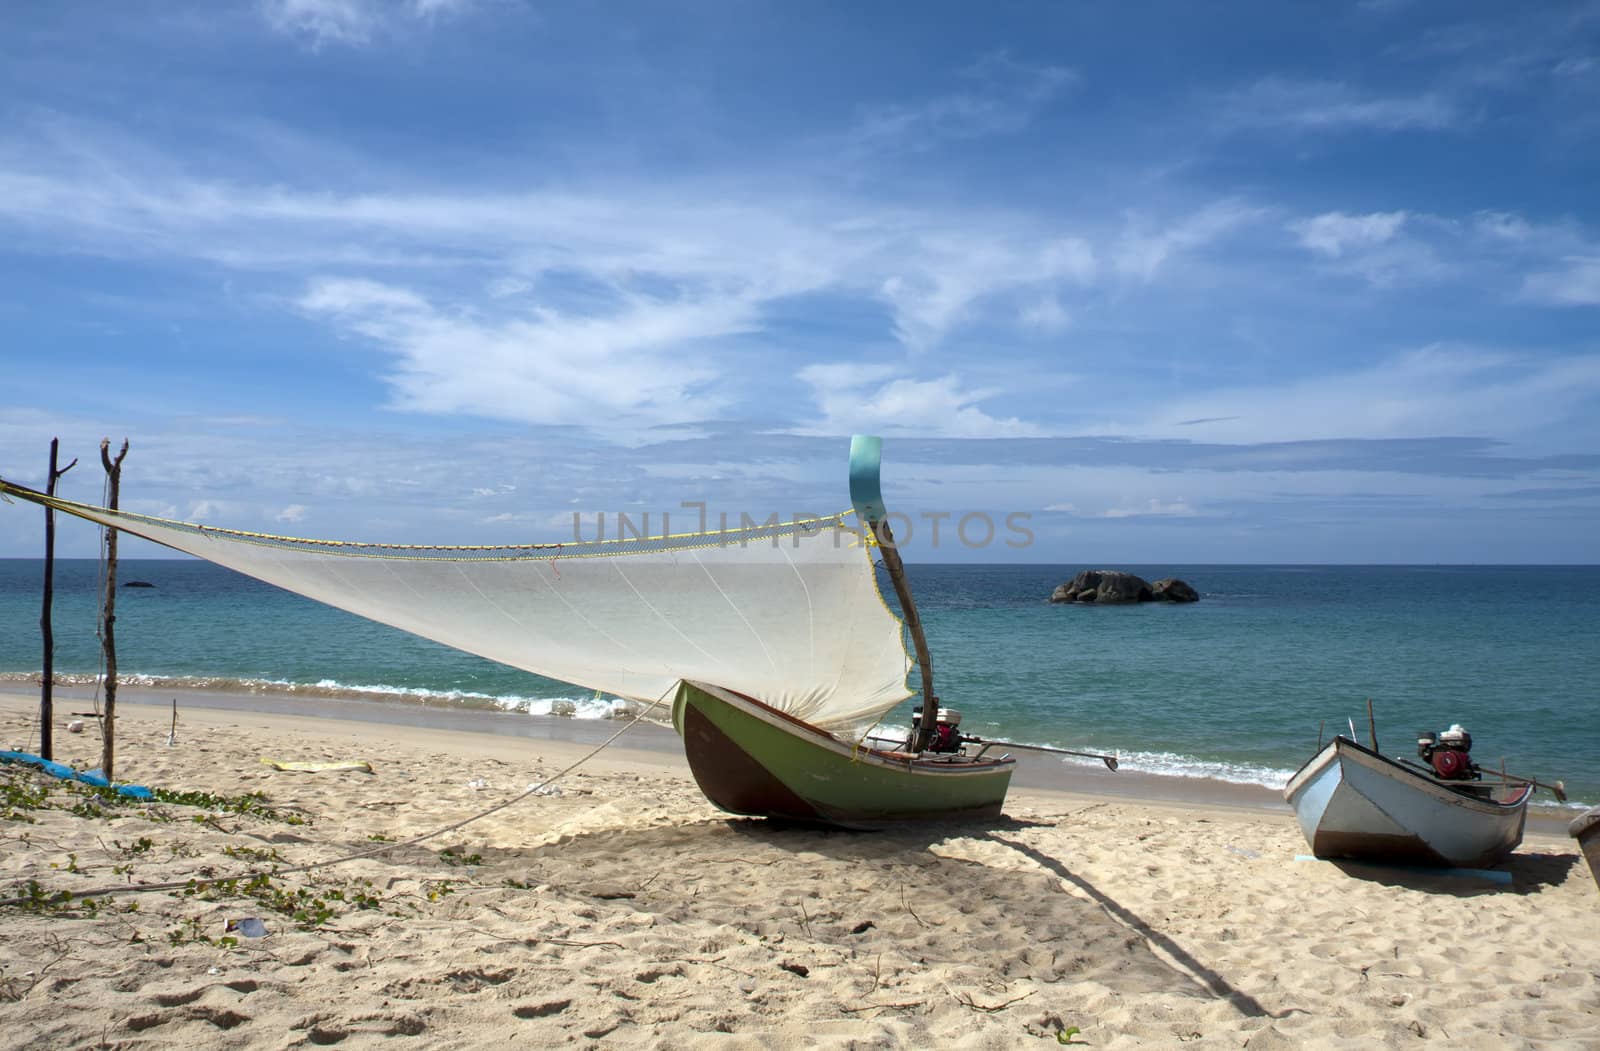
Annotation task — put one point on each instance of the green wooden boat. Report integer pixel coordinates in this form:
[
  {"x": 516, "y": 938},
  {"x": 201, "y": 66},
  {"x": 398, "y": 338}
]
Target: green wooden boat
[{"x": 752, "y": 759}]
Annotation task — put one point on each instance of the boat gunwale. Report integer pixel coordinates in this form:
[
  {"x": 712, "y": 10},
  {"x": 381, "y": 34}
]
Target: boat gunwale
[
  {"x": 1439, "y": 790},
  {"x": 955, "y": 765}
]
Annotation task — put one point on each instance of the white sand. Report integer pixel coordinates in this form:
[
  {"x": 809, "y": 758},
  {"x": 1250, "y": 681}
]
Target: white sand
[{"x": 626, "y": 911}]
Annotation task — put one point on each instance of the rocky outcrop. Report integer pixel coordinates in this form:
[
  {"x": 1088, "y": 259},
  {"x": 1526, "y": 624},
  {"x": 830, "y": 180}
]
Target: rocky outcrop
[
  {"x": 1110, "y": 587},
  {"x": 1172, "y": 589}
]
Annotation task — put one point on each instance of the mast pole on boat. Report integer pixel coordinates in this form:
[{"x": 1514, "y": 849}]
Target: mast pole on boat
[{"x": 866, "y": 494}]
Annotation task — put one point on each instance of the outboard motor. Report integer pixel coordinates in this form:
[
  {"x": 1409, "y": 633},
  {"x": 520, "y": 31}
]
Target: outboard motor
[
  {"x": 1449, "y": 753},
  {"x": 946, "y": 736}
]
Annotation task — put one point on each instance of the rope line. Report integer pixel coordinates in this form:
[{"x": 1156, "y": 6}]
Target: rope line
[{"x": 723, "y": 537}]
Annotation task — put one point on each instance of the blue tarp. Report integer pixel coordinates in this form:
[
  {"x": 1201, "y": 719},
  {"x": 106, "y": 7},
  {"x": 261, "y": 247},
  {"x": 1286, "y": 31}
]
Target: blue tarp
[{"x": 67, "y": 773}]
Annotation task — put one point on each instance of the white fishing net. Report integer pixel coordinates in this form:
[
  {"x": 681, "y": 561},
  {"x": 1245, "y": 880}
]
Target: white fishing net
[{"x": 789, "y": 614}]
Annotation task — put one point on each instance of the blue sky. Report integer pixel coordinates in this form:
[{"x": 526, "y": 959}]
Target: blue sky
[{"x": 1225, "y": 282}]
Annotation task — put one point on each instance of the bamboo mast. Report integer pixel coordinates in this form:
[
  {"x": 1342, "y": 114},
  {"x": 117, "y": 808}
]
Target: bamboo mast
[
  {"x": 866, "y": 496},
  {"x": 902, "y": 588},
  {"x": 46, "y": 630},
  {"x": 108, "y": 725}
]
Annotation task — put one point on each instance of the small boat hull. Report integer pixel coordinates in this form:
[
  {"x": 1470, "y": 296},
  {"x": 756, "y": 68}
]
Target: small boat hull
[
  {"x": 1354, "y": 803},
  {"x": 753, "y": 760},
  {"x": 1586, "y": 830}
]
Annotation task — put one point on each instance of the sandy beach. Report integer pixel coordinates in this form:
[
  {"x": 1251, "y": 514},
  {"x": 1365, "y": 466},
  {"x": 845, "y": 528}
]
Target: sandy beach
[{"x": 616, "y": 907}]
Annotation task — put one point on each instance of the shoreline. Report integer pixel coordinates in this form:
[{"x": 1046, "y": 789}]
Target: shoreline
[{"x": 1035, "y": 774}]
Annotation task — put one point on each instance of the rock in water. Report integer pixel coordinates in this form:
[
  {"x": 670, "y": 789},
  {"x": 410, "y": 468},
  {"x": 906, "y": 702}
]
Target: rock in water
[
  {"x": 1172, "y": 589},
  {"x": 1110, "y": 587},
  {"x": 1103, "y": 587}
]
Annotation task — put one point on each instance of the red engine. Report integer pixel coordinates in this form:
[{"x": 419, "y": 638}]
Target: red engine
[
  {"x": 1449, "y": 753},
  {"x": 946, "y": 736}
]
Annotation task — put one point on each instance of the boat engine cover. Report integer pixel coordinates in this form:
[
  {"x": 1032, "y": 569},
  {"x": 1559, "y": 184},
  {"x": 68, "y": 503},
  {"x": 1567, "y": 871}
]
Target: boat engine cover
[{"x": 1450, "y": 763}]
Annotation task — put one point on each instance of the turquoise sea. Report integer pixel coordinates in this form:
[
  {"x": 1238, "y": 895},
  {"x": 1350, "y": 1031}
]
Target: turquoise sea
[{"x": 1233, "y": 687}]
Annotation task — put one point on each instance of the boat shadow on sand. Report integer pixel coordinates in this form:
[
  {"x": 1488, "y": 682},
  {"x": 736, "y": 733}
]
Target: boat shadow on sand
[
  {"x": 1528, "y": 873},
  {"x": 886, "y": 896}
]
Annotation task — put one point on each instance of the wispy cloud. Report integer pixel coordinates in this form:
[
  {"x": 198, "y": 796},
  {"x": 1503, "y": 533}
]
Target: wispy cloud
[
  {"x": 1332, "y": 233},
  {"x": 1154, "y": 507},
  {"x": 934, "y": 270},
  {"x": 1435, "y": 390},
  {"x": 350, "y": 22},
  {"x": 1328, "y": 105},
  {"x": 540, "y": 365},
  {"x": 1575, "y": 283},
  {"x": 1376, "y": 248},
  {"x": 1142, "y": 250},
  {"x": 1000, "y": 96},
  {"x": 855, "y": 398}
]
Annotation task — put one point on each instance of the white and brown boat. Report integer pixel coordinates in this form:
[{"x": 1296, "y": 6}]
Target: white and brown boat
[{"x": 1355, "y": 803}]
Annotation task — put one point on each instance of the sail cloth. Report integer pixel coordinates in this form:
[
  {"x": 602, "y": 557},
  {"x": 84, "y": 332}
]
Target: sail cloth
[{"x": 787, "y": 613}]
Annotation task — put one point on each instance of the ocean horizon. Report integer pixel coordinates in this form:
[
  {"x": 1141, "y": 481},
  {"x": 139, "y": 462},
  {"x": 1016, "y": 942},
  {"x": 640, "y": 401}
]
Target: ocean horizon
[{"x": 1237, "y": 687}]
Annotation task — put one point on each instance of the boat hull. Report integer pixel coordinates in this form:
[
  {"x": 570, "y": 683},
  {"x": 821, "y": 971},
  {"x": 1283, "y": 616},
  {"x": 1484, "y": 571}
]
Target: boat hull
[
  {"x": 1354, "y": 803},
  {"x": 1586, "y": 830},
  {"x": 753, "y": 760}
]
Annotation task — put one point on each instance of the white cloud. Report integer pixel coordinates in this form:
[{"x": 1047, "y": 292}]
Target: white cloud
[
  {"x": 350, "y": 22},
  {"x": 864, "y": 398},
  {"x": 1141, "y": 252},
  {"x": 1436, "y": 390},
  {"x": 1577, "y": 283},
  {"x": 1154, "y": 508},
  {"x": 1378, "y": 248},
  {"x": 934, "y": 269},
  {"x": 1047, "y": 315},
  {"x": 1333, "y": 233},
  {"x": 941, "y": 278},
  {"x": 1322, "y": 105},
  {"x": 292, "y": 513},
  {"x": 1002, "y": 97},
  {"x": 645, "y": 364}
]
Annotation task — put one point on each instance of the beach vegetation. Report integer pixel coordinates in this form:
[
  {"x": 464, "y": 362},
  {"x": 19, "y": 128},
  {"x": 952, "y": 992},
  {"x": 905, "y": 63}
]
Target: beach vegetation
[
  {"x": 20, "y": 795},
  {"x": 453, "y": 856},
  {"x": 308, "y": 907},
  {"x": 31, "y": 896},
  {"x": 192, "y": 931},
  {"x": 256, "y": 854}
]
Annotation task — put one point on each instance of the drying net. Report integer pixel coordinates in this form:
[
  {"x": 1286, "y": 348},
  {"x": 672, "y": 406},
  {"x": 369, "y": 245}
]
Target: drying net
[{"x": 787, "y": 613}]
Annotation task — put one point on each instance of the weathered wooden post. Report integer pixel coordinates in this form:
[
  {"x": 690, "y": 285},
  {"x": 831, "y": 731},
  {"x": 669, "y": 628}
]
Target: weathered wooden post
[
  {"x": 46, "y": 700},
  {"x": 108, "y": 614}
]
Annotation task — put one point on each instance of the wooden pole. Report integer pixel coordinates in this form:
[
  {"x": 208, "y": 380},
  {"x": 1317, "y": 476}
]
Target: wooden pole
[
  {"x": 108, "y": 641},
  {"x": 1372, "y": 725},
  {"x": 908, "y": 608},
  {"x": 46, "y": 630}
]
